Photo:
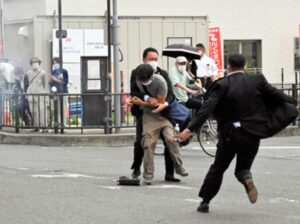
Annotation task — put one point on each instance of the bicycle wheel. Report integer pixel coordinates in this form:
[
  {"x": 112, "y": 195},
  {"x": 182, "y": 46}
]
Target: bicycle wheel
[
  {"x": 212, "y": 125},
  {"x": 207, "y": 139}
]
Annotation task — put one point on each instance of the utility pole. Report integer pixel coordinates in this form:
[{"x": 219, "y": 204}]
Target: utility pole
[
  {"x": 117, "y": 85},
  {"x": 61, "y": 66},
  {"x": 108, "y": 129}
]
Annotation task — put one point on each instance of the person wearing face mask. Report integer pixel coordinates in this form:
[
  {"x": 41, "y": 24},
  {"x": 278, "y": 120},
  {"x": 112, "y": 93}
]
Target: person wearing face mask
[
  {"x": 60, "y": 82},
  {"x": 150, "y": 56},
  {"x": 183, "y": 84},
  {"x": 153, "y": 121},
  {"x": 207, "y": 70},
  {"x": 38, "y": 84}
]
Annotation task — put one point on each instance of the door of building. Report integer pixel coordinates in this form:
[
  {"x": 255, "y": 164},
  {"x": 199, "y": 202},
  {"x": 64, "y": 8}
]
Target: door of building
[{"x": 93, "y": 81}]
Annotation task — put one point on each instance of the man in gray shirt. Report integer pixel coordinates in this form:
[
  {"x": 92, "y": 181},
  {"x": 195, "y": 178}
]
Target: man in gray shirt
[{"x": 154, "y": 123}]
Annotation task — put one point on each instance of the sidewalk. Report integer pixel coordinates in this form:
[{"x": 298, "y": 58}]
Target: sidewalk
[{"x": 90, "y": 138}]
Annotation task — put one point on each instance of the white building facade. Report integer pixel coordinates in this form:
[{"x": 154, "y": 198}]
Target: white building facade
[{"x": 265, "y": 31}]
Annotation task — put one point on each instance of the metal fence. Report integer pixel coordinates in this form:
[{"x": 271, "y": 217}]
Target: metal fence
[{"x": 41, "y": 112}]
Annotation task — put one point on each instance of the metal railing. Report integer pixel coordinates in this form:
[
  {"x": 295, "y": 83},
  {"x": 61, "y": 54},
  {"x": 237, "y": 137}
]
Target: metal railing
[{"x": 42, "y": 111}]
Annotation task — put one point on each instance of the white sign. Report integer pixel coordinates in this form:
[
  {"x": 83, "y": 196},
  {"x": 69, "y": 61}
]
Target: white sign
[
  {"x": 94, "y": 43},
  {"x": 72, "y": 46}
]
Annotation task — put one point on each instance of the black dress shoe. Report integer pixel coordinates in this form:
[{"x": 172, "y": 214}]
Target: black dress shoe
[
  {"x": 136, "y": 173},
  {"x": 171, "y": 178},
  {"x": 203, "y": 207}
]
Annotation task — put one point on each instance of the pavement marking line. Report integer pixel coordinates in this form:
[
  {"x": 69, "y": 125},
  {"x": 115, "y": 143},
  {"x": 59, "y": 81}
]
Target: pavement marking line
[
  {"x": 111, "y": 187},
  {"x": 280, "y": 200},
  {"x": 65, "y": 175},
  {"x": 261, "y": 147},
  {"x": 164, "y": 186},
  {"x": 192, "y": 200}
]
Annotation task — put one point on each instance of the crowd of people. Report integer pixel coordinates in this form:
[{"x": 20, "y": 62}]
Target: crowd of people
[{"x": 32, "y": 88}]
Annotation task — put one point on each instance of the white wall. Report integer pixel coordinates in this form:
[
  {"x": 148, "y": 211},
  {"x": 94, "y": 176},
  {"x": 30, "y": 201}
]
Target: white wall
[
  {"x": 22, "y": 9},
  {"x": 272, "y": 21}
]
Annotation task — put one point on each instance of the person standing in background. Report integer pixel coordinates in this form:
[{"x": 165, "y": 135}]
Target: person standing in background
[
  {"x": 60, "y": 82},
  {"x": 21, "y": 86},
  {"x": 207, "y": 70},
  {"x": 38, "y": 84}
]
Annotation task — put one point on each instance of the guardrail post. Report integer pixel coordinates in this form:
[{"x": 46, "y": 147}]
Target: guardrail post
[
  {"x": 17, "y": 109},
  {"x": 55, "y": 105},
  {"x": 107, "y": 119},
  {"x": 282, "y": 78}
]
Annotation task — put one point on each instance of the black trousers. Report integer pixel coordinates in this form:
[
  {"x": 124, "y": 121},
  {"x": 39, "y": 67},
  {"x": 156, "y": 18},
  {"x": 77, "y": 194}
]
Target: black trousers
[
  {"x": 138, "y": 152},
  {"x": 239, "y": 143}
]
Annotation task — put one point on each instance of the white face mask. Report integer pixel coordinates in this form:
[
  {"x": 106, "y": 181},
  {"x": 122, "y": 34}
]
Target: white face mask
[
  {"x": 200, "y": 52},
  {"x": 35, "y": 66},
  {"x": 55, "y": 66},
  {"x": 153, "y": 64},
  {"x": 181, "y": 68}
]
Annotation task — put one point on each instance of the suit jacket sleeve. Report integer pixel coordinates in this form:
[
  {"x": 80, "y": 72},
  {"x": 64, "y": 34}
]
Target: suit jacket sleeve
[
  {"x": 214, "y": 95},
  {"x": 273, "y": 94}
]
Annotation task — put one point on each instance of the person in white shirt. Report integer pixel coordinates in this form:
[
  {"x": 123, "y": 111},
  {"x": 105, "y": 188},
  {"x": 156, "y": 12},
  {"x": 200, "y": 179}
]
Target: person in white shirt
[{"x": 207, "y": 70}]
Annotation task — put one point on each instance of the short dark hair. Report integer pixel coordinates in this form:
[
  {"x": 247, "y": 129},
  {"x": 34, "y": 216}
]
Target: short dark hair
[
  {"x": 237, "y": 61},
  {"x": 144, "y": 72},
  {"x": 200, "y": 45},
  {"x": 35, "y": 59},
  {"x": 56, "y": 59},
  {"x": 149, "y": 49}
]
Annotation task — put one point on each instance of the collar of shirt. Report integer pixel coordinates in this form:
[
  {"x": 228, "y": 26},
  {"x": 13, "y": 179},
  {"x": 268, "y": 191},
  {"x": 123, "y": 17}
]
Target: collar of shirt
[{"x": 232, "y": 73}]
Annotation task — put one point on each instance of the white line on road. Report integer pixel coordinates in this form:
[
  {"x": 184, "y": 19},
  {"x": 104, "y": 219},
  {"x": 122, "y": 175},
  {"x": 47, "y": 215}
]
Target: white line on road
[
  {"x": 261, "y": 147},
  {"x": 192, "y": 200},
  {"x": 66, "y": 175},
  {"x": 170, "y": 186},
  {"x": 280, "y": 200}
]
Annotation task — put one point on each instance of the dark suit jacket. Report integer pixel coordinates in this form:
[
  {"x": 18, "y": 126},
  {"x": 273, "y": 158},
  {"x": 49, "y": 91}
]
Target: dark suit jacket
[
  {"x": 135, "y": 91},
  {"x": 244, "y": 98}
]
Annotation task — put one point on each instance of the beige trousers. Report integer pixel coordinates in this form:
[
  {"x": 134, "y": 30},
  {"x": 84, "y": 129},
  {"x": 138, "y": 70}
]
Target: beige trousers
[{"x": 153, "y": 125}]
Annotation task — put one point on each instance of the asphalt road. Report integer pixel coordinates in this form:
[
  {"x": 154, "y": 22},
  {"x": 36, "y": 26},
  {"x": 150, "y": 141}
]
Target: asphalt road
[{"x": 78, "y": 185}]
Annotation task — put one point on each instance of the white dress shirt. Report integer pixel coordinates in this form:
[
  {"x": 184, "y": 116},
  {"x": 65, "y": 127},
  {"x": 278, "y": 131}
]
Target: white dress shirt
[{"x": 206, "y": 67}]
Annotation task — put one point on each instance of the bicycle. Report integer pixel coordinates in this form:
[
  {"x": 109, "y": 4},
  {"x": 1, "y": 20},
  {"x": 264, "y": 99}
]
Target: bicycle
[
  {"x": 207, "y": 137},
  {"x": 207, "y": 134}
]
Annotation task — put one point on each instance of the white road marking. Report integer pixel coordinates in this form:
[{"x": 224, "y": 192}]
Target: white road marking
[
  {"x": 279, "y": 200},
  {"x": 192, "y": 200},
  {"x": 169, "y": 186},
  {"x": 261, "y": 147},
  {"x": 66, "y": 175},
  {"x": 111, "y": 187}
]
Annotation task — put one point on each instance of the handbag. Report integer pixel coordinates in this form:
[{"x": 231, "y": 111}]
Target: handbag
[{"x": 178, "y": 113}]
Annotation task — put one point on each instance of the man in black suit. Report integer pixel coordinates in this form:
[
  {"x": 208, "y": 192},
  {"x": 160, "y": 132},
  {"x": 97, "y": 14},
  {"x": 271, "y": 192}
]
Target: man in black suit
[
  {"x": 239, "y": 104},
  {"x": 150, "y": 56}
]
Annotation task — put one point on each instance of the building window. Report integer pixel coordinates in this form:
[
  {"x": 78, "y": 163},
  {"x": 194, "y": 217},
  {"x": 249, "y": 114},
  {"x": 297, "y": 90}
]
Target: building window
[
  {"x": 250, "y": 49},
  {"x": 296, "y": 54}
]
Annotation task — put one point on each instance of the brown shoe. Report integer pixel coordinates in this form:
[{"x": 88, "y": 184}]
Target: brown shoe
[{"x": 251, "y": 190}]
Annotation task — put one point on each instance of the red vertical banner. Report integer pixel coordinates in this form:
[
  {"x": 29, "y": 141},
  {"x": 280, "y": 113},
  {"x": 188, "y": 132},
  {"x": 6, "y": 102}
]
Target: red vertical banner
[{"x": 215, "y": 48}]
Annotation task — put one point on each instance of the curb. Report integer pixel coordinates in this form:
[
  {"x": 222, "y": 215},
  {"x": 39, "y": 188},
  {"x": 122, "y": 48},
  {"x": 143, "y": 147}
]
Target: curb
[
  {"x": 95, "y": 140},
  {"x": 68, "y": 140}
]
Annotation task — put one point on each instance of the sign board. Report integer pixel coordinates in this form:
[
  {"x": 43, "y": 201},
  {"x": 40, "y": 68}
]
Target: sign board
[
  {"x": 72, "y": 46},
  {"x": 94, "y": 43}
]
